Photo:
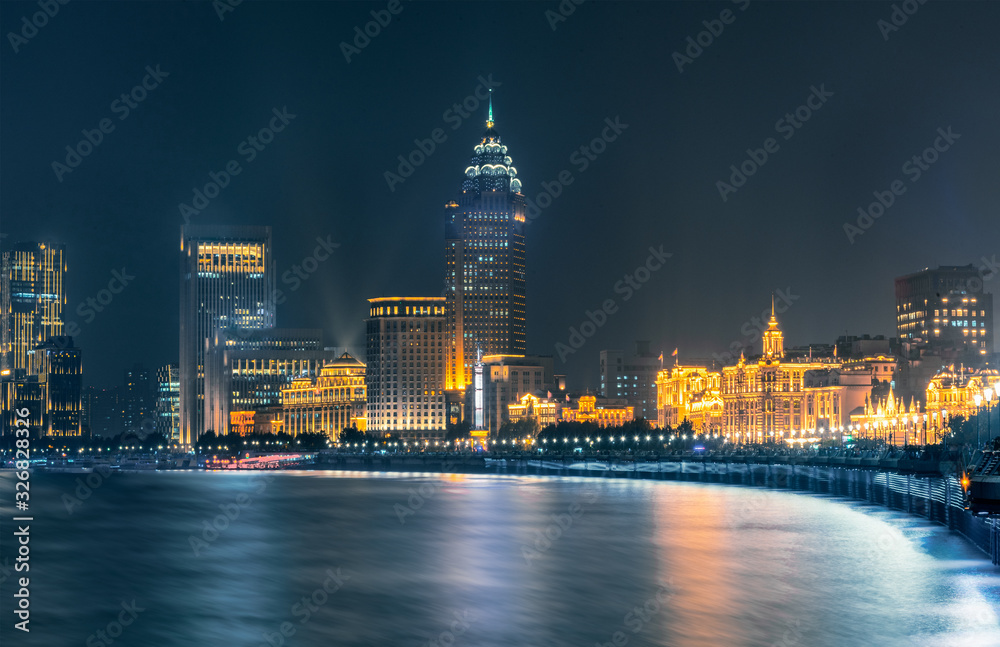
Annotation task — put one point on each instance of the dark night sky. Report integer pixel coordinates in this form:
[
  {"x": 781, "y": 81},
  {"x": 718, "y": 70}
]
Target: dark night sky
[{"x": 655, "y": 185}]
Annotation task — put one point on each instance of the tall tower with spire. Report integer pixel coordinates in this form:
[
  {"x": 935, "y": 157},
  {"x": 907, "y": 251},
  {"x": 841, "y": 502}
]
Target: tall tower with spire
[{"x": 485, "y": 261}]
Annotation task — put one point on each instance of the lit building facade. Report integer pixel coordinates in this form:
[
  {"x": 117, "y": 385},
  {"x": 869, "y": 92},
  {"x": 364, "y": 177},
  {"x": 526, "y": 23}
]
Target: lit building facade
[
  {"x": 543, "y": 410},
  {"x": 632, "y": 377},
  {"x": 58, "y": 366},
  {"x": 765, "y": 400},
  {"x": 691, "y": 393},
  {"x": 605, "y": 413},
  {"x": 407, "y": 347},
  {"x": 227, "y": 281},
  {"x": 246, "y": 370},
  {"x": 948, "y": 308},
  {"x": 894, "y": 422},
  {"x": 168, "y": 402},
  {"x": 953, "y": 393},
  {"x": 32, "y": 299},
  {"x": 485, "y": 286},
  {"x": 328, "y": 404},
  {"x": 19, "y": 392}
]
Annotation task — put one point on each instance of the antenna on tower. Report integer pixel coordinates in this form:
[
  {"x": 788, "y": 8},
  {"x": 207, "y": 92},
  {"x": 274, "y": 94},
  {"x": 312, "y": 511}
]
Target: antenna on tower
[{"x": 489, "y": 120}]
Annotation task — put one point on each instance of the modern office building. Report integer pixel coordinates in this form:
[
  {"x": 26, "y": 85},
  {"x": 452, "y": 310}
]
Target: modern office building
[
  {"x": 632, "y": 377},
  {"x": 227, "y": 281},
  {"x": 405, "y": 373},
  {"x": 139, "y": 394},
  {"x": 20, "y": 392},
  {"x": 168, "y": 402},
  {"x": 102, "y": 411},
  {"x": 58, "y": 366},
  {"x": 245, "y": 370},
  {"x": 32, "y": 299},
  {"x": 949, "y": 309},
  {"x": 485, "y": 283},
  {"x": 329, "y": 403}
]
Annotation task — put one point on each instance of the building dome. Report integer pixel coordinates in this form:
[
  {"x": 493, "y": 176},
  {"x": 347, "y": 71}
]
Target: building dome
[{"x": 491, "y": 168}]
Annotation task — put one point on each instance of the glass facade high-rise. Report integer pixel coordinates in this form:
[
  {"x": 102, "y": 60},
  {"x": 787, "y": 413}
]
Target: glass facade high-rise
[
  {"x": 32, "y": 299},
  {"x": 227, "y": 281},
  {"x": 168, "y": 402},
  {"x": 58, "y": 366},
  {"x": 486, "y": 293}
]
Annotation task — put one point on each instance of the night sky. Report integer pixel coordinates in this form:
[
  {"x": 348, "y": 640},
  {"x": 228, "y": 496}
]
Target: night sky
[{"x": 656, "y": 184}]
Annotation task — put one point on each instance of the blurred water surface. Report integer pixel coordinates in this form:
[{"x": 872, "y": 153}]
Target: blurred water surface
[{"x": 359, "y": 559}]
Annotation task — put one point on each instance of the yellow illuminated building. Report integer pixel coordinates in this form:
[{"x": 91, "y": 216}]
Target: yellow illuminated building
[
  {"x": 334, "y": 401},
  {"x": 774, "y": 399},
  {"x": 587, "y": 410},
  {"x": 691, "y": 393},
  {"x": 32, "y": 295},
  {"x": 891, "y": 420},
  {"x": 241, "y": 422},
  {"x": 546, "y": 411},
  {"x": 549, "y": 411},
  {"x": 406, "y": 353},
  {"x": 953, "y": 393}
]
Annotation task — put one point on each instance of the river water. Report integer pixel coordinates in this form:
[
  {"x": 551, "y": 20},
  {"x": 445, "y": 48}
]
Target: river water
[{"x": 360, "y": 559}]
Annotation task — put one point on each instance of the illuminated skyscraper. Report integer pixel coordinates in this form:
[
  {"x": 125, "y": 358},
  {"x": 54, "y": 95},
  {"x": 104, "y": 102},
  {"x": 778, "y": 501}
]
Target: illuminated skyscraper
[
  {"x": 168, "y": 402},
  {"x": 227, "y": 282},
  {"x": 32, "y": 298},
  {"x": 949, "y": 310},
  {"x": 57, "y": 364},
  {"x": 404, "y": 376},
  {"x": 486, "y": 293}
]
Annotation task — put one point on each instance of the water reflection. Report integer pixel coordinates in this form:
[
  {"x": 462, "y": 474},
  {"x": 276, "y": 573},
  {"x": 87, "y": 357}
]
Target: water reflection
[{"x": 477, "y": 560}]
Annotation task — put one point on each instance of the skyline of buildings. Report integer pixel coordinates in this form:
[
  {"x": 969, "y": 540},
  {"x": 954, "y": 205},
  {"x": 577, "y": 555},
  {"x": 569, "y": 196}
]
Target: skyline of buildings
[{"x": 237, "y": 371}]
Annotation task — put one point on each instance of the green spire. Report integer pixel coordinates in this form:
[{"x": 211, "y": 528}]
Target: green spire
[{"x": 489, "y": 120}]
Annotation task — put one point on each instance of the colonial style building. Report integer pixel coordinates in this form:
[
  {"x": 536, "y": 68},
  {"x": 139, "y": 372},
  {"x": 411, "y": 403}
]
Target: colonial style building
[
  {"x": 953, "y": 393},
  {"x": 532, "y": 406},
  {"x": 588, "y": 408},
  {"x": 774, "y": 398},
  {"x": 608, "y": 413},
  {"x": 691, "y": 393},
  {"x": 329, "y": 403},
  {"x": 894, "y": 422}
]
